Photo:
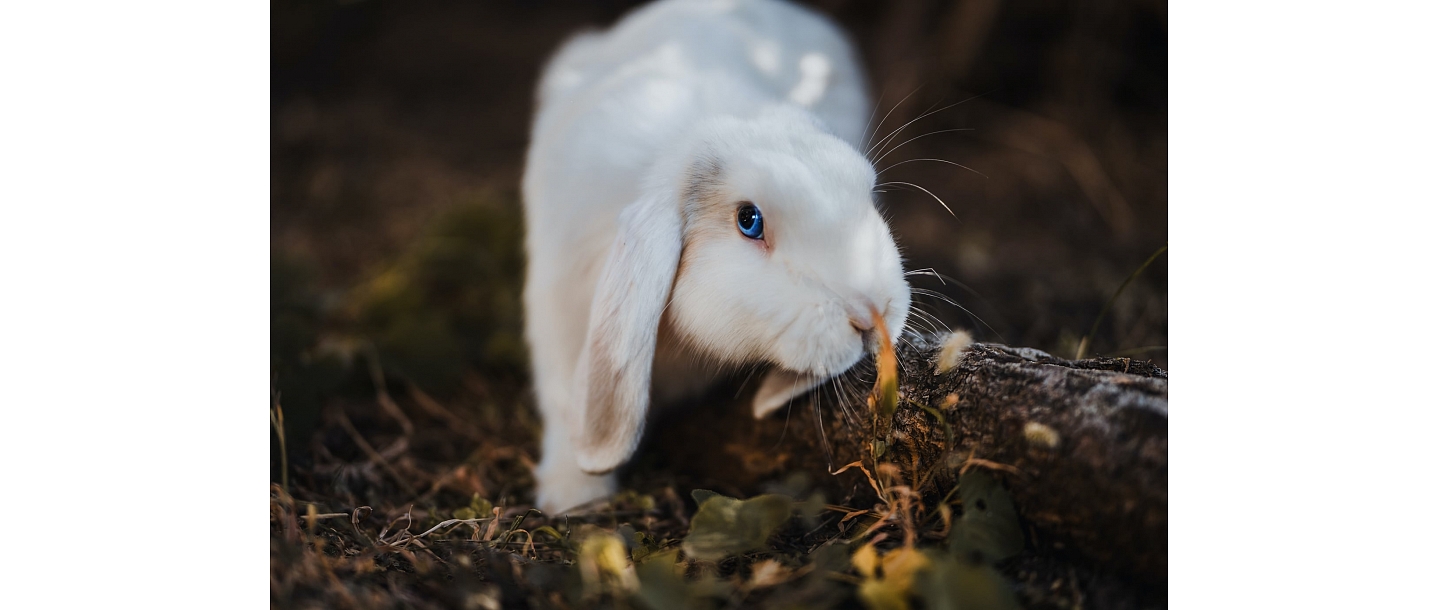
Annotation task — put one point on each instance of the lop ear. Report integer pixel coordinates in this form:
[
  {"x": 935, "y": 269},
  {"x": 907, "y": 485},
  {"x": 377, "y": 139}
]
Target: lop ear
[
  {"x": 614, "y": 368},
  {"x": 780, "y": 387}
]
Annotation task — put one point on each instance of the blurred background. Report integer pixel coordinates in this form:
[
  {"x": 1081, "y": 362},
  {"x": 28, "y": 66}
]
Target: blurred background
[{"x": 399, "y": 130}]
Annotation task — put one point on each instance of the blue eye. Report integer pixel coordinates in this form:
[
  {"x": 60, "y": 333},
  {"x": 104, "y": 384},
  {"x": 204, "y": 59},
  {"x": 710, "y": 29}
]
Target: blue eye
[{"x": 751, "y": 224}]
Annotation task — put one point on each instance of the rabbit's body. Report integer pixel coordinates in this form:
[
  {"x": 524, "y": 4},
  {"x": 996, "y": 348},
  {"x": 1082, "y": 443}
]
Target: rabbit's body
[{"x": 645, "y": 138}]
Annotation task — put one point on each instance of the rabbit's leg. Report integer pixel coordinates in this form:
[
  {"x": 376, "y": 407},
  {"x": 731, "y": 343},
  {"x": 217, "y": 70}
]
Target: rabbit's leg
[{"x": 559, "y": 482}]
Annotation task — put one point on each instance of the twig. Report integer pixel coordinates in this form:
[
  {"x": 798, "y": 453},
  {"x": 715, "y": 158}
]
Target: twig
[
  {"x": 454, "y": 522},
  {"x": 355, "y": 518},
  {"x": 433, "y": 407},
  {"x": 868, "y": 476},
  {"x": 382, "y": 395},
  {"x": 408, "y": 522},
  {"x": 974, "y": 461},
  {"x": 344, "y": 421}
]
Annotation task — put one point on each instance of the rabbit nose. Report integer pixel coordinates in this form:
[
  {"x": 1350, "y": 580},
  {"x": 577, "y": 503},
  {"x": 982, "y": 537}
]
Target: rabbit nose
[{"x": 862, "y": 315}]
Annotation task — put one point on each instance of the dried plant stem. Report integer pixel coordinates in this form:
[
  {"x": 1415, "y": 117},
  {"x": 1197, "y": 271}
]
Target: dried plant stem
[
  {"x": 1085, "y": 343},
  {"x": 382, "y": 396},
  {"x": 277, "y": 421},
  {"x": 433, "y": 407},
  {"x": 344, "y": 421}
]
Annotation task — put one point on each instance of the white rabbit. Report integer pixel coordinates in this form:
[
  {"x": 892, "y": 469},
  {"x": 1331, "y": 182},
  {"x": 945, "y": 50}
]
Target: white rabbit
[{"x": 694, "y": 202}]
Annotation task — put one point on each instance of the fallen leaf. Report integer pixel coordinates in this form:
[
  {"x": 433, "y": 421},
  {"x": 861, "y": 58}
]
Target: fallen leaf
[
  {"x": 605, "y": 564},
  {"x": 883, "y": 595},
  {"x": 947, "y": 584},
  {"x": 901, "y": 564},
  {"x": 725, "y": 526},
  {"x": 662, "y": 587},
  {"x": 988, "y": 526},
  {"x": 865, "y": 561},
  {"x": 889, "y": 588}
]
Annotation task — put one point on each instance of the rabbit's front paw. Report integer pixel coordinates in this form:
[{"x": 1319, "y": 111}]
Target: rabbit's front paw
[{"x": 562, "y": 488}]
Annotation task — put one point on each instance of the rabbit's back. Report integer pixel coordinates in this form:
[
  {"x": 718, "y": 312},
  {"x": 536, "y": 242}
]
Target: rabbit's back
[
  {"x": 610, "y": 102},
  {"x": 778, "y": 50}
]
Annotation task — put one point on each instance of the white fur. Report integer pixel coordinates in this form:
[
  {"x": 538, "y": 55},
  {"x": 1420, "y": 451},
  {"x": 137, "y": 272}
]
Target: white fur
[{"x": 639, "y": 287}]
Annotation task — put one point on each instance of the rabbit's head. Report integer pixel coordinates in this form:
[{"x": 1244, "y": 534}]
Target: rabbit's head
[{"x": 758, "y": 240}]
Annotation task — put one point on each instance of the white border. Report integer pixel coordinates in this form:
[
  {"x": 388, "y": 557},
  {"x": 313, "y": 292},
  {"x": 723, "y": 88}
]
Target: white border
[{"x": 134, "y": 230}]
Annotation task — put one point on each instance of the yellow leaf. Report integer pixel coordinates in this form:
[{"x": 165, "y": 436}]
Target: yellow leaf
[
  {"x": 605, "y": 564},
  {"x": 883, "y": 595},
  {"x": 900, "y": 566},
  {"x": 865, "y": 560}
]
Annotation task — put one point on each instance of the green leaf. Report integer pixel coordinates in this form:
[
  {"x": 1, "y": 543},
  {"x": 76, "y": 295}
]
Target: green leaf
[
  {"x": 726, "y": 526},
  {"x": 646, "y": 542},
  {"x": 701, "y": 495},
  {"x": 480, "y": 506},
  {"x": 635, "y": 499},
  {"x": 812, "y": 509},
  {"x": 988, "y": 528},
  {"x": 662, "y": 588},
  {"x": 949, "y": 584},
  {"x": 816, "y": 589},
  {"x": 553, "y": 533}
]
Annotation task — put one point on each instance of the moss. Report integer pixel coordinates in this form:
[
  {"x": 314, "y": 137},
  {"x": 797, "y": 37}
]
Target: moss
[{"x": 451, "y": 302}]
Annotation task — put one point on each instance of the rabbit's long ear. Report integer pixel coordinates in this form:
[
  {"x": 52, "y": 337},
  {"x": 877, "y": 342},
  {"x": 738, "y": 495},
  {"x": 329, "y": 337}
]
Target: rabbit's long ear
[
  {"x": 779, "y": 388},
  {"x": 614, "y": 370}
]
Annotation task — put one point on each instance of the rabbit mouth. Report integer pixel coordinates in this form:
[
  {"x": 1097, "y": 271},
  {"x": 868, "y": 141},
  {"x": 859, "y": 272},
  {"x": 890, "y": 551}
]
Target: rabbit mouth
[{"x": 844, "y": 361}]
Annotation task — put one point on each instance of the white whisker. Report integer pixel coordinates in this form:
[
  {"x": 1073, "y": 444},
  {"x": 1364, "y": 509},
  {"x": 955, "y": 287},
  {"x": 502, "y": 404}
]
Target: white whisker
[
  {"x": 928, "y": 112},
  {"x": 891, "y": 136},
  {"x": 741, "y": 388},
  {"x": 930, "y": 271},
  {"x": 932, "y": 293},
  {"x": 887, "y": 115},
  {"x": 927, "y": 192},
  {"x": 820, "y": 428},
  {"x": 948, "y": 300},
  {"x": 919, "y": 315},
  {"x": 842, "y": 400},
  {"x": 938, "y": 326},
  {"x": 927, "y": 271},
  {"x": 927, "y": 159},
  {"x": 887, "y": 153}
]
